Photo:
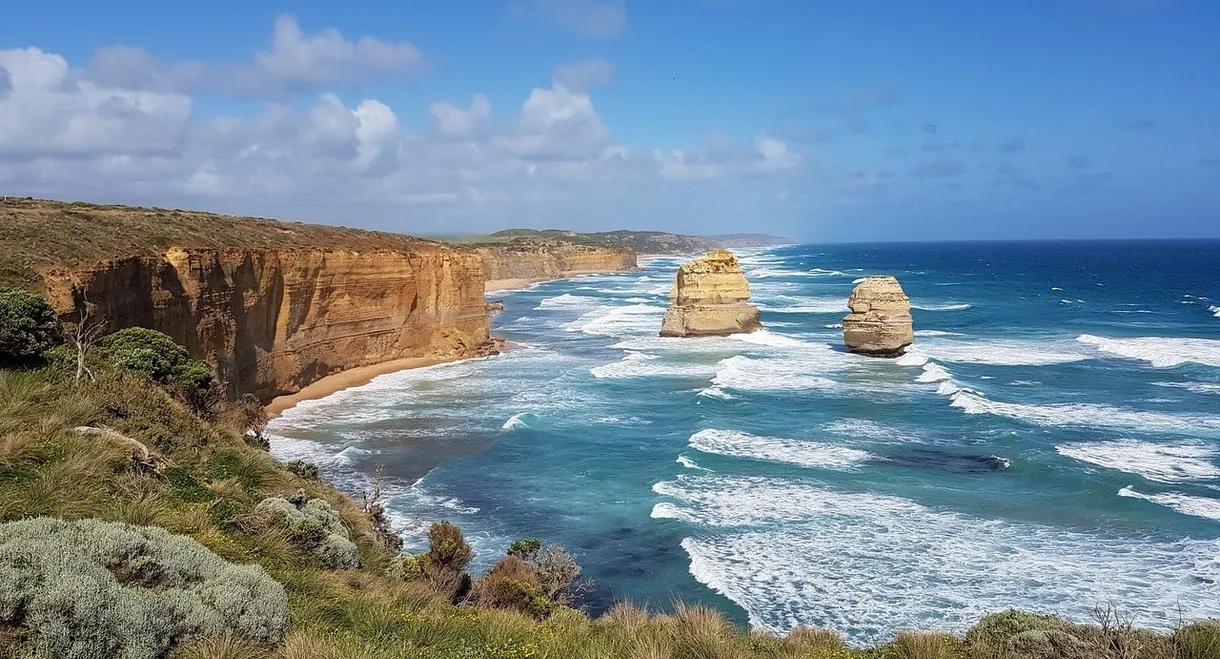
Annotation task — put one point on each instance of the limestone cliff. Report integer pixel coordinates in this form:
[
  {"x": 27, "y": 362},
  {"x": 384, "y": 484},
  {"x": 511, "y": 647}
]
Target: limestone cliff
[
  {"x": 274, "y": 321},
  {"x": 880, "y": 320},
  {"x": 709, "y": 298},
  {"x": 535, "y": 260}
]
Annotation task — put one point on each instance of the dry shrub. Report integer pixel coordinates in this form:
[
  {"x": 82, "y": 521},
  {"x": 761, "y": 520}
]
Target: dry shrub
[
  {"x": 1200, "y": 640},
  {"x": 511, "y": 584},
  {"x": 226, "y": 646},
  {"x": 700, "y": 632},
  {"x": 626, "y": 616},
  {"x": 926, "y": 645}
]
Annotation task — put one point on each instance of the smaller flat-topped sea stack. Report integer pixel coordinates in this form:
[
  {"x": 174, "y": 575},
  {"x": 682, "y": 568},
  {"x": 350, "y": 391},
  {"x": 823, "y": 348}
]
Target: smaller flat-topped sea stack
[
  {"x": 709, "y": 298},
  {"x": 880, "y": 320}
]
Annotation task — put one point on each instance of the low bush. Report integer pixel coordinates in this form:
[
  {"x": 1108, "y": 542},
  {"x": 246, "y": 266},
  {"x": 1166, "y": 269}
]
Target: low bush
[
  {"x": 556, "y": 569},
  {"x": 511, "y": 584},
  {"x": 313, "y": 526},
  {"x": 161, "y": 359},
  {"x": 28, "y": 328},
  {"x": 91, "y": 589}
]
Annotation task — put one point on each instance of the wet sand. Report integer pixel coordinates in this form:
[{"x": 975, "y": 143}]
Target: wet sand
[{"x": 350, "y": 378}]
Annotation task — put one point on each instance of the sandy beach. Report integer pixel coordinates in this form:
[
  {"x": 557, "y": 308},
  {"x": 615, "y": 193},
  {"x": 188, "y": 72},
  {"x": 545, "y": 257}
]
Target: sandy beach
[
  {"x": 514, "y": 284},
  {"x": 350, "y": 378}
]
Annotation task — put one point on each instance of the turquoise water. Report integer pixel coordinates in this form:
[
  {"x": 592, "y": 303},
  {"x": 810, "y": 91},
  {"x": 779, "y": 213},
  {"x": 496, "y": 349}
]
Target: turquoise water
[{"x": 1051, "y": 442}]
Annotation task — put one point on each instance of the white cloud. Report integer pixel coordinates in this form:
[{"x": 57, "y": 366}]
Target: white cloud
[
  {"x": 589, "y": 18},
  {"x": 49, "y": 109},
  {"x": 112, "y": 133},
  {"x": 449, "y": 120},
  {"x": 295, "y": 62},
  {"x": 585, "y": 74}
]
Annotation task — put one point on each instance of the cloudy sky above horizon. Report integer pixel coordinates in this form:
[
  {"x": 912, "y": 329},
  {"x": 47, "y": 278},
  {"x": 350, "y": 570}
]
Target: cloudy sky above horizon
[{"x": 819, "y": 120}]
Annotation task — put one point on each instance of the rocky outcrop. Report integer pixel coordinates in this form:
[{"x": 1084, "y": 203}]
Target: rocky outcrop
[
  {"x": 533, "y": 260},
  {"x": 880, "y": 320},
  {"x": 273, "y": 321},
  {"x": 709, "y": 298}
]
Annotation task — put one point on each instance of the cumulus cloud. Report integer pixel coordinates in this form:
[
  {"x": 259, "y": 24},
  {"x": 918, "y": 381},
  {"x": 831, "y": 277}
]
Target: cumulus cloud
[
  {"x": 583, "y": 75},
  {"x": 589, "y": 18},
  {"x": 448, "y": 120},
  {"x": 50, "y": 109},
  {"x": 296, "y": 62}
]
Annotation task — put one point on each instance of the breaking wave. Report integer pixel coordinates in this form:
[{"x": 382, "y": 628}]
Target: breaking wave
[
  {"x": 1162, "y": 352},
  {"x": 778, "y": 449},
  {"x": 1165, "y": 463}
]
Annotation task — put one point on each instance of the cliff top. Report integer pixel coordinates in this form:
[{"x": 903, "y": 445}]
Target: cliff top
[
  {"x": 641, "y": 242},
  {"x": 37, "y": 233}
]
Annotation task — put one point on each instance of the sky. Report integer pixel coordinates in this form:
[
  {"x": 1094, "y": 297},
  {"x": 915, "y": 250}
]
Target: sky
[{"x": 869, "y": 120}]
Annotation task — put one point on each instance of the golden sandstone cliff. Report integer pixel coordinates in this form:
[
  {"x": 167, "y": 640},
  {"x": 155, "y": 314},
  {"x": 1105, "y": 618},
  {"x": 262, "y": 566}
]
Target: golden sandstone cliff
[
  {"x": 509, "y": 264},
  {"x": 275, "y": 305},
  {"x": 880, "y": 320},
  {"x": 709, "y": 298}
]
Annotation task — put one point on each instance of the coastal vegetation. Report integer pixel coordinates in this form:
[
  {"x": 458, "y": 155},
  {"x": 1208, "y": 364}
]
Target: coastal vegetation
[
  {"x": 641, "y": 242},
  {"x": 138, "y": 519}
]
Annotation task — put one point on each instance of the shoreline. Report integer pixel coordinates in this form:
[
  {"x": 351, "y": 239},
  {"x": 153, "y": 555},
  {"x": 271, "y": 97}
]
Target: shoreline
[
  {"x": 352, "y": 377},
  {"x": 498, "y": 285}
]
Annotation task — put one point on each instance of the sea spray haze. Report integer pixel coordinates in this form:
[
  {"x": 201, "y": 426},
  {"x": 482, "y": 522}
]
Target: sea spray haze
[{"x": 1050, "y": 442}]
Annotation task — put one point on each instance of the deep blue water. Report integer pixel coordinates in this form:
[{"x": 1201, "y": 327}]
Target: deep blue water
[{"x": 1050, "y": 442}]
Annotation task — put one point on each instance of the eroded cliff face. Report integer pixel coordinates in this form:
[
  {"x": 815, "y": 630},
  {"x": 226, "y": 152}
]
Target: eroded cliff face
[
  {"x": 709, "y": 298},
  {"x": 273, "y": 321},
  {"x": 548, "y": 260}
]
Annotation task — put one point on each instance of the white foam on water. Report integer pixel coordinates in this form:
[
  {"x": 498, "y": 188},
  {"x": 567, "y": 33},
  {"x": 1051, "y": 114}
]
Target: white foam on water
[
  {"x": 516, "y": 421},
  {"x": 349, "y": 455},
  {"x": 1215, "y": 310},
  {"x": 1162, "y": 462},
  {"x": 864, "y": 428},
  {"x": 933, "y": 372},
  {"x": 1182, "y": 503},
  {"x": 821, "y": 272},
  {"x": 750, "y": 374},
  {"x": 802, "y": 453},
  {"x": 1084, "y": 414},
  {"x": 830, "y": 326},
  {"x": 716, "y": 392},
  {"x": 931, "y": 332},
  {"x": 1002, "y": 352},
  {"x": 690, "y": 464},
  {"x": 1162, "y": 352},
  {"x": 566, "y": 300},
  {"x": 795, "y": 552},
  {"x": 912, "y": 358},
  {"x": 1206, "y": 388},
  {"x": 951, "y": 306},
  {"x": 806, "y": 305},
  {"x": 770, "y": 339},
  {"x": 859, "y": 280},
  {"x": 642, "y": 365},
  {"x": 618, "y": 321}
]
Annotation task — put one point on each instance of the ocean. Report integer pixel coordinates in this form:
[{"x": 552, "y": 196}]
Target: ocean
[{"x": 1050, "y": 442}]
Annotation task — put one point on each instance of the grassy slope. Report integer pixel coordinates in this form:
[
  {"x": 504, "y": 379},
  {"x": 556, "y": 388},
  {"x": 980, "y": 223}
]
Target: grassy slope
[
  {"x": 216, "y": 479},
  {"x": 37, "y": 232}
]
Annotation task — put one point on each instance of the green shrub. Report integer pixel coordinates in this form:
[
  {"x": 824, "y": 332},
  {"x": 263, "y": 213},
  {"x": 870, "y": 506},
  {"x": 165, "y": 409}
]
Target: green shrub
[
  {"x": 306, "y": 470},
  {"x": 555, "y": 567},
  {"x": 28, "y": 328},
  {"x": 91, "y": 589},
  {"x": 315, "y": 527},
  {"x": 146, "y": 351},
  {"x": 405, "y": 567},
  {"x": 165, "y": 362},
  {"x": 444, "y": 564}
]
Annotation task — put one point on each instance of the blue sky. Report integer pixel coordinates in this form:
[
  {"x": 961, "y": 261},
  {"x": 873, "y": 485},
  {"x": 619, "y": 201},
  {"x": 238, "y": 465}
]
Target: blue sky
[{"x": 827, "y": 121}]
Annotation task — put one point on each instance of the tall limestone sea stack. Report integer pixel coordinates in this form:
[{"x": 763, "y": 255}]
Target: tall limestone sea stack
[
  {"x": 880, "y": 320},
  {"x": 709, "y": 298}
]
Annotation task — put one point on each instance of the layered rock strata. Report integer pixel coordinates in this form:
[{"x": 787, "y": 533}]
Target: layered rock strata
[
  {"x": 880, "y": 320},
  {"x": 273, "y": 321},
  {"x": 521, "y": 261},
  {"x": 709, "y": 298}
]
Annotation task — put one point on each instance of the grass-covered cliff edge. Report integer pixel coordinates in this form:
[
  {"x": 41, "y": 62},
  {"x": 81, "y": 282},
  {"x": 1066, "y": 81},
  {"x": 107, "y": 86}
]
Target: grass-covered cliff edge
[{"x": 141, "y": 517}]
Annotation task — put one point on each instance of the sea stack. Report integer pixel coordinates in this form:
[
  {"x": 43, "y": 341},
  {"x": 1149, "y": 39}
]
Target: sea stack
[
  {"x": 709, "y": 298},
  {"x": 880, "y": 320}
]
